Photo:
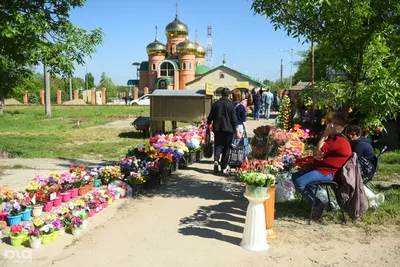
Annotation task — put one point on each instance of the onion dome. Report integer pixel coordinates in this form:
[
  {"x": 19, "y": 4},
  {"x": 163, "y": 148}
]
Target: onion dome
[
  {"x": 200, "y": 51},
  {"x": 156, "y": 48},
  {"x": 187, "y": 48},
  {"x": 176, "y": 29}
]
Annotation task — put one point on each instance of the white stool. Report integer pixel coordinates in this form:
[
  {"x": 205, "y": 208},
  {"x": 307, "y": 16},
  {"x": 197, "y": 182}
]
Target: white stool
[{"x": 254, "y": 234}]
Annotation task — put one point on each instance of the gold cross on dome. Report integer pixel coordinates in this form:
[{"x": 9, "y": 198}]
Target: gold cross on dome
[
  {"x": 156, "y": 31},
  {"x": 176, "y": 14}
]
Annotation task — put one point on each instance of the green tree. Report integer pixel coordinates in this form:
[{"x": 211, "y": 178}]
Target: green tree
[
  {"x": 266, "y": 82},
  {"x": 303, "y": 72},
  {"x": 108, "y": 84},
  {"x": 359, "y": 38},
  {"x": 89, "y": 80},
  {"x": 40, "y": 31},
  {"x": 279, "y": 85}
]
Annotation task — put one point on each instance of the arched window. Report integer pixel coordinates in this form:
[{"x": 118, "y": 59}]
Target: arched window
[
  {"x": 190, "y": 66},
  {"x": 167, "y": 70},
  {"x": 154, "y": 67},
  {"x": 184, "y": 66}
]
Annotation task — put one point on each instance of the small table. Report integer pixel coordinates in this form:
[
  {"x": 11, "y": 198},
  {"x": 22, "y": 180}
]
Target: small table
[{"x": 254, "y": 234}]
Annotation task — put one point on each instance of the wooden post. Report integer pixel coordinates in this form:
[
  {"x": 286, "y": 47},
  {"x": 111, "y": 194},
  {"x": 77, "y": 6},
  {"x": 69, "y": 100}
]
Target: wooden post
[
  {"x": 26, "y": 98},
  {"x": 93, "y": 96},
  {"x": 103, "y": 96},
  {"x": 59, "y": 97},
  {"x": 146, "y": 90},
  {"x": 135, "y": 93},
  {"x": 41, "y": 97},
  {"x": 76, "y": 96}
]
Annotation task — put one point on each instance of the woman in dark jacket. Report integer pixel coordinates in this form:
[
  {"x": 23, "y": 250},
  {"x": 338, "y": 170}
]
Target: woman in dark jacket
[
  {"x": 363, "y": 148},
  {"x": 257, "y": 102}
]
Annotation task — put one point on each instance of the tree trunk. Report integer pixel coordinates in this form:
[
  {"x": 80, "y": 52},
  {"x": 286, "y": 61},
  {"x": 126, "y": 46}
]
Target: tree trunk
[{"x": 1, "y": 105}]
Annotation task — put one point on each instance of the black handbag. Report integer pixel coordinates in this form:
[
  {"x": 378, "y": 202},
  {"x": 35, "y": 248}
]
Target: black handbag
[
  {"x": 208, "y": 146},
  {"x": 237, "y": 153}
]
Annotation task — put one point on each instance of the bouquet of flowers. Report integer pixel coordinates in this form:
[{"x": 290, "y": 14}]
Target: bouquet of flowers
[
  {"x": 35, "y": 234},
  {"x": 76, "y": 223},
  {"x": 17, "y": 230},
  {"x": 256, "y": 179},
  {"x": 109, "y": 174},
  {"x": 13, "y": 207}
]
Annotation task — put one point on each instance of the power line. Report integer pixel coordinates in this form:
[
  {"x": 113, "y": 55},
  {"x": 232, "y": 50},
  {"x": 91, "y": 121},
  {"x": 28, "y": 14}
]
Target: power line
[{"x": 279, "y": 71}]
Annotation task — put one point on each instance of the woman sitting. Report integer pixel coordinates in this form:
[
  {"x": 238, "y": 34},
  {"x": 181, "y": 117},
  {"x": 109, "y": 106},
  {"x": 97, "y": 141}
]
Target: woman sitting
[
  {"x": 330, "y": 154},
  {"x": 363, "y": 148}
]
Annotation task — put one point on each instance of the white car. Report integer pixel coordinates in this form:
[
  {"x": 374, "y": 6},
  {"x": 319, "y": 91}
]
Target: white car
[{"x": 142, "y": 101}]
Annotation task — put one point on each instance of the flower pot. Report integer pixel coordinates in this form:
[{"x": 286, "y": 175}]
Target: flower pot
[
  {"x": 37, "y": 211},
  {"x": 57, "y": 201},
  {"x": 76, "y": 231},
  {"x": 16, "y": 240},
  {"x": 85, "y": 223},
  {"x": 105, "y": 205},
  {"x": 26, "y": 235},
  {"x": 110, "y": 201},
  {"x": 90, "y": 186},
  {"x": 11, "y": 220},
  {"x": 192, "y": 157},
  {"x": 73, "y": 192},
  {"x": 46, "y": 239},
  {"x": 55, "y": 235},
  {"x": 96, "y": 183},
  {"x": 92, "y": 212},
  {"x": 97, "y": 210},
  {"x": 113, "y": 198},
  {"x": 87, "y": 188},
  {"x": 48, "y": 206},
  {"x": 269, "y": 207},
  {"x": 35, "y": 242},
  {"x": 26, "y": 214},
  {"x": 256, "y": 191},
  {"x": 62, "y": 232},
  {"x": 3, "y": 215},
  {"x": 65, "y": 197},
  {"x": 199, "y": 155},
  {"x": 82, "y": 191},
  {"x": 117, "y": 195}
]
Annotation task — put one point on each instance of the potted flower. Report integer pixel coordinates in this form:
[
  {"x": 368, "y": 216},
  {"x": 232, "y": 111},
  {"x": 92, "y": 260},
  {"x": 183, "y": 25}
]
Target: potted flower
[
  {"x": 27, "y": 226},
  {"x": 76, "y": 225},
  {"x": 14, "y": 212},
  {"x": 38, "y": 200},
  {"x": 134, "y": 180},
  {"x": 83, "y": 215},
  {"x": 35, "y": 238},
  {"x": 57, "y": 225},
  {"x": 17, "y": 235},
  {"x": 47, "y": 233},
  {"x": 26, "y": 209},
  {"x": 37, "y": 223}
]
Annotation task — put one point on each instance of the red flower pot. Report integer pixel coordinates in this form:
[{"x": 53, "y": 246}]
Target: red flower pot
[
  {"x": 3, "y": 215},
  {"x": 105, "y": 205},
  {"x": 73, "y": 192},
  {"x": 113, "y": 198},
  {"x": 57, "y": 202},
  {"x": 82, "y": 191},
  {"x": 48, "y": 206},
  {"x": 92, "y": 212},
  {"x": 91, "y": 186},
  {"x": 65, "y": 196}
]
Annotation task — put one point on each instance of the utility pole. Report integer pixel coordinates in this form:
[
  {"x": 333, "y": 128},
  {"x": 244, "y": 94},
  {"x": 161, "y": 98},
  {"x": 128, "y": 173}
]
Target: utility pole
[
  {"x": 70, "y": 88},
  {"x": 291, "y": 67},
  {"x": 281, "y": 69},
  {"x": 312, "y": 62},
  {"x": 47, "y": 90}
]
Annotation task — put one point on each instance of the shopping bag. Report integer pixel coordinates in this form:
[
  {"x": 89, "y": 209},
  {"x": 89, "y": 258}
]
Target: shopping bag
[{"x": 237, "y": 153}]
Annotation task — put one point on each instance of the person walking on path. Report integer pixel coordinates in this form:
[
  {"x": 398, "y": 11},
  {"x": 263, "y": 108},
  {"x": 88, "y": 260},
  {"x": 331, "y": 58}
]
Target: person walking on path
[
  {"x": 257, "y": 101},
  {"x": 225, "y": 125},
  {"x": 268, "y": 100},
  {"x": 276, "y": 102}
]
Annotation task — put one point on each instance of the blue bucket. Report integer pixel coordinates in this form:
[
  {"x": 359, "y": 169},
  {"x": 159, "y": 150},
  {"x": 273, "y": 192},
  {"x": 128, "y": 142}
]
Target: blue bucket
[
  {"x": 13, "y": 219},
  {"x": 96, "y": 183},
  {"x": 26, "y": 215}
]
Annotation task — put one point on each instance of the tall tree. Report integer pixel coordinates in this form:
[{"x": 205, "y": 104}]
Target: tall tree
[
  {"x": 303, "y": 72},
  {"x": 39, "y": 31},
  {"x": 355, "y": 37},
  {"x": 108, "y": 84},
  {"x": 89, "y": 80}
]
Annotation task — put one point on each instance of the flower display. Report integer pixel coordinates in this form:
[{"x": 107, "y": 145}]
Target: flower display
[
  {"x": 35, "y": 233},
  {"x": 16, "y": 230},
  {"x": 284, "y": 116}
]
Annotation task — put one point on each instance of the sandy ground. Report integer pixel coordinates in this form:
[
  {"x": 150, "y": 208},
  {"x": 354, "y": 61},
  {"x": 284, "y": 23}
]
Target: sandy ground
[{"x": 196, "y": 219}]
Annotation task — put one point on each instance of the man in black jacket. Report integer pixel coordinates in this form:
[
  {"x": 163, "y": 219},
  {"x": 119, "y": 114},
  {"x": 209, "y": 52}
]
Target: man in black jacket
[{"x": 223, "y": 118}]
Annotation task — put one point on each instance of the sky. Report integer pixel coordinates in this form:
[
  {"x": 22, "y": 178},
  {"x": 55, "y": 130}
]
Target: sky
[{"x": 248, "y": 41}]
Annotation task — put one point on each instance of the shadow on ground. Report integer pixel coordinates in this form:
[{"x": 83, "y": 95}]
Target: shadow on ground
[
  {"x": 88, "y": 164},
  {"x": 133, "y": 135}
]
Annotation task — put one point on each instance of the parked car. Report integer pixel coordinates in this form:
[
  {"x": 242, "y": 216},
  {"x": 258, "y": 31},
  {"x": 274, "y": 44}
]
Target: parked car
[{"x": 142, "y": 101}]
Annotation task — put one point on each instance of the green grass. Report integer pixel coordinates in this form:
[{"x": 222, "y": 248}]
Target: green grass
[{"x": 26, "y": 132}]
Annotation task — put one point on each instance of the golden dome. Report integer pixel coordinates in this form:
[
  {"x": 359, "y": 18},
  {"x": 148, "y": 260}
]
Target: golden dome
[
  {"x": 156, "y": 48},
  {"x": 187, "y": 48},
  {"x": 176, "y": 29},
  {"x": 201, "y": 51}
]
